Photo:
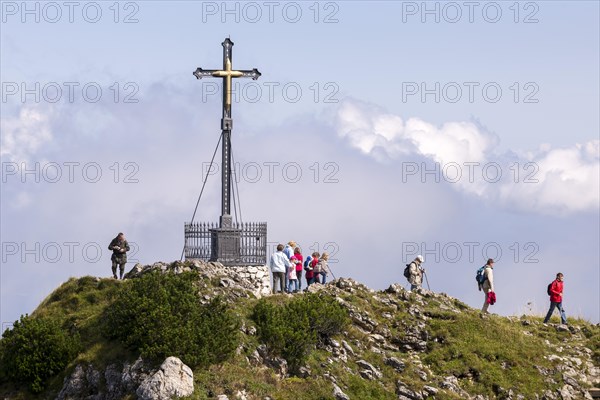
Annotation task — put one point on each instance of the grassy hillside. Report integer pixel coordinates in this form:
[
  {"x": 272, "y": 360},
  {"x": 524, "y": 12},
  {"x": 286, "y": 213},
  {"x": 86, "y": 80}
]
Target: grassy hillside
[{"x": 371, "y": 344}]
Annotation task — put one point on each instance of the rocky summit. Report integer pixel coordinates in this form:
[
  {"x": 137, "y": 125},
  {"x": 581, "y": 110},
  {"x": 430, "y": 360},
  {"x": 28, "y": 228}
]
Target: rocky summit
[{"x": 195, "y": 330}]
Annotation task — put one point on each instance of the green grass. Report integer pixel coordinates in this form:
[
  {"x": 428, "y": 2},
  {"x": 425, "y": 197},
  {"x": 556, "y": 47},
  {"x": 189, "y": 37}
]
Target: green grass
[
  {"x": 490, "y": 352},
  {"x": 484, "y": 353}
]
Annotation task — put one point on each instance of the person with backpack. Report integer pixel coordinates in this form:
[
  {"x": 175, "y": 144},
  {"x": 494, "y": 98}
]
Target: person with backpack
[
  {"x": 485, "y": 281},
  {"x": 555, "y": 291},
  {"x": 414, "y": 272},
  {"x": 309, "y": 265},
  {"x": 119, "y": 247},
  {"x": 323, "y": 268}
]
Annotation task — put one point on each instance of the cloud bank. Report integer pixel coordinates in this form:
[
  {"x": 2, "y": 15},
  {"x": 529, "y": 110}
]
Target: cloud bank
[{"x": 547, "y": 180}]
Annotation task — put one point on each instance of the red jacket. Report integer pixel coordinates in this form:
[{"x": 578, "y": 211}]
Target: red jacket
[
  {"x": 297, "y": 257},
  {"x": 556, "y": 290},
  {"x": 310, "y": 273}
]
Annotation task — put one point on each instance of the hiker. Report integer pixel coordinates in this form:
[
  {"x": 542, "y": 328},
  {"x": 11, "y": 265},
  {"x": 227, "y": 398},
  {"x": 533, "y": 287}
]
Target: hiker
[
  {"x": 119, "y": 247},
  {"x": 555, "y": 290},
  {"x": 288, "y": 250},
  {"x": 292, "y": 278},
  {"x": 416, "y": 272},
  {"x": 487, "y": 284},
  {"x": 323, "y": 268},
  {"x": 297, "y": 259},
  {"x": 279, "y": 263},
  {"x": 309, "y": 266}
]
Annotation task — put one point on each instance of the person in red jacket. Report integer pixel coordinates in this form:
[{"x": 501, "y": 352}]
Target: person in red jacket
[
  {"x": 556, "y": 292},
  {"x": 310, "y": 269}
]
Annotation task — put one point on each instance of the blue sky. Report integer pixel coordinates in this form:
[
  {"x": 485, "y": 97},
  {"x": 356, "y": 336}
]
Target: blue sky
[{"x": 357, "y": 101}]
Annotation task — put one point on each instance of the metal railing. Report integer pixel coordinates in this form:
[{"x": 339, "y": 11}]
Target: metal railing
[{"x": 241, "y": 244}]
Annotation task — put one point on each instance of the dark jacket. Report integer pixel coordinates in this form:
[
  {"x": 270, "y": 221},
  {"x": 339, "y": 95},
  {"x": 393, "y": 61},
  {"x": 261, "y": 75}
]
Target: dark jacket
[{"x": 119, "y": 249}]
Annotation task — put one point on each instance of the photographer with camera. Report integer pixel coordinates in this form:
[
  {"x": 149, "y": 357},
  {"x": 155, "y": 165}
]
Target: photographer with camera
[{"x": 119, "y": 247}]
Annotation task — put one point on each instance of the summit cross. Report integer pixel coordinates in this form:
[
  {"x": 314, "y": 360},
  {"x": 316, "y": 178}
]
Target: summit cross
[{"x": 227, "y": 73}]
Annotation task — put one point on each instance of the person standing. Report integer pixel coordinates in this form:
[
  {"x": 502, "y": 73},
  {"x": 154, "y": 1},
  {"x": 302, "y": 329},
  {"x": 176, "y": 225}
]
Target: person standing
[
  {"x": 292, "y": 278},
  {"x": 323, "y": 268},
  {"x": 288, "y": 250},
  {"x": 297, "y": 259},
  {"x": 311, "y": 263},
  {"x": 119, "y": 247},
  {"x": 416, "y": 272},
  {"x": 279, "y": 264},
  {"x": 556, "y": 291},
  {"x": 488, "y": 286}
]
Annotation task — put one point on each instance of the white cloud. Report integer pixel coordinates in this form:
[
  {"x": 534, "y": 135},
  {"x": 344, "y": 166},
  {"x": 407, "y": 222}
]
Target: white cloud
[
  {"x": 547, "y": 181},
  {"x": 25, "y": 134},
  {"x": 568, "y": 180}
]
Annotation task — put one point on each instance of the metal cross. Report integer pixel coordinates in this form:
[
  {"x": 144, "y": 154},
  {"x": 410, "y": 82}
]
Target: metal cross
[{"x": 227, "y": 73}]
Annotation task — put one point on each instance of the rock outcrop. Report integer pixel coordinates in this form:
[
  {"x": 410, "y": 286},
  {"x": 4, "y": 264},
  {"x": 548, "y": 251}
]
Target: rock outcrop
[
  {"x": 254, "y": 279},
  {"x": 173, "y": 379}
]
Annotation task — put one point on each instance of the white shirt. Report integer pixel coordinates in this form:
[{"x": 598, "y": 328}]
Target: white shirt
[{"x": 279, "y": 262}]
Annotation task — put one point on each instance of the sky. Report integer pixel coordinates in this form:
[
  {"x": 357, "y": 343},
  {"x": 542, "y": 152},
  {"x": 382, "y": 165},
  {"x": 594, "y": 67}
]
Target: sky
[{"x": 378, "y": 131}]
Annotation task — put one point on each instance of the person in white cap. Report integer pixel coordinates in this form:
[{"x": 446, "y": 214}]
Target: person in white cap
[{"x": 416, "y": 272}]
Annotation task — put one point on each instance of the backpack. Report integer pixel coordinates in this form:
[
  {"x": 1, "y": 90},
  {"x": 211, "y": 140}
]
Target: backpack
[
  {"x": 480, "y": 277},
  {"x": 407, "y": 271},
  {"x": 307, "y": 263},
  {"x": 549, "y": 287}
]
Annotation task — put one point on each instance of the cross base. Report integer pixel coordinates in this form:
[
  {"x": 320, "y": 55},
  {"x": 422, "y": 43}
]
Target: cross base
[{"x": 225, "y": 242}]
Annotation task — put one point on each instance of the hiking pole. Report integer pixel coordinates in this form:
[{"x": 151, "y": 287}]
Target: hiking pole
[
  {"x": 332, "y": 274},
  {"x": 426, "y": 281}
]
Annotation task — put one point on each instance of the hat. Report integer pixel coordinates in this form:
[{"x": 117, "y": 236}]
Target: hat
[{"x": 420, "y": 258}]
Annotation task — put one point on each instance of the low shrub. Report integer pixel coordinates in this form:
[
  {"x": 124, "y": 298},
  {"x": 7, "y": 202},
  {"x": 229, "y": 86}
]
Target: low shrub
[
  {"x": 293, "y": 329},
  {"x": 34, "y": 350},
  {"x": 160, "y": 315}
]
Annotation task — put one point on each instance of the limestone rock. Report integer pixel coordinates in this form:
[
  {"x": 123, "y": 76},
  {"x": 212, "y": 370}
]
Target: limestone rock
[
  {"x": 369, "y": 371},
  {"x": 338, "y": 394},
  {"x": 451, "y": 383},
  {"x": 405, "y": 393},
  {"x": 82, "y": 384},
  {"x": 277, "y": 363},
  {"x": 395, "y": 363},
  {"x": 567, "y": 393},
  {"x": 429, "y": 391},
  {"x": 254, "y": 279},
  {"x": 173, "y": 379},
  {"x": 347, "y": 347}
]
